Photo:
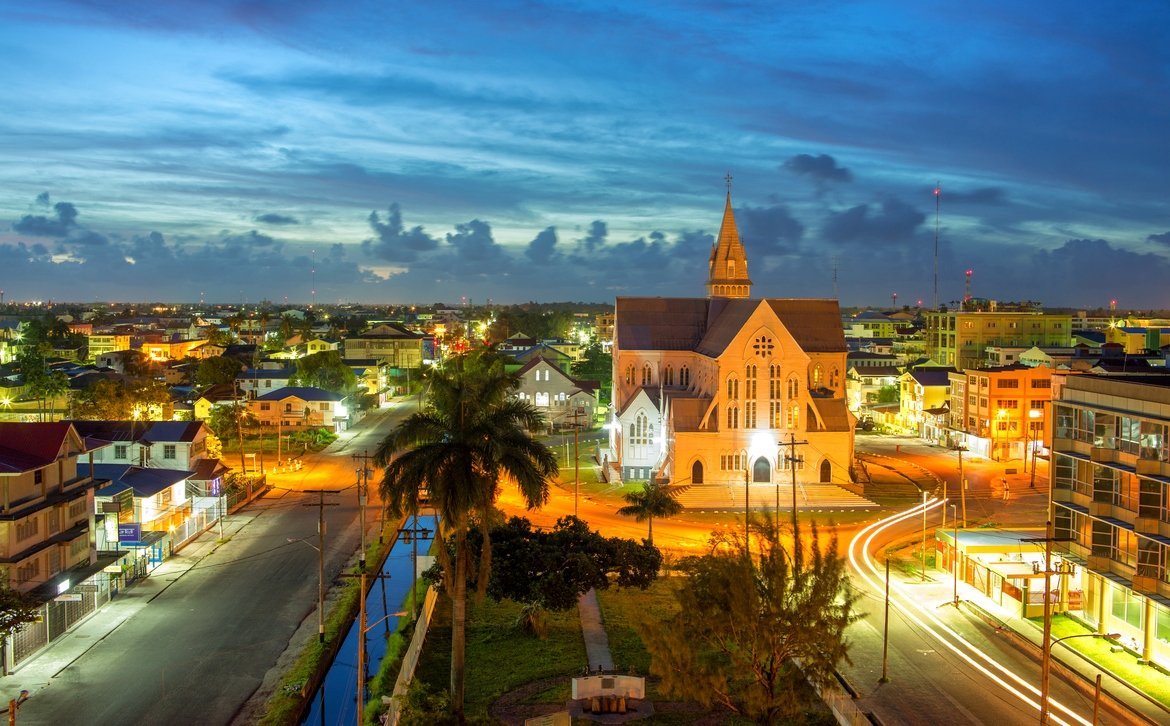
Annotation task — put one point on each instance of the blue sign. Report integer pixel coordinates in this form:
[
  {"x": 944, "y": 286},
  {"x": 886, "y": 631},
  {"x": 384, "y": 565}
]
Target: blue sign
[{"x": 130, "y": 532}]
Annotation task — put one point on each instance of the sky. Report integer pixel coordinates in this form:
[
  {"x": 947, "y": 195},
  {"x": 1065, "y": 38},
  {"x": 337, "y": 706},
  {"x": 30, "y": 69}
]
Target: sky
[{"x": 393, "y": 152}]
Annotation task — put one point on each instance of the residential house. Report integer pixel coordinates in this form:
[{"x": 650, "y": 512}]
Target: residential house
[
  {"x": 217, "y": 395},
  {"x": 565, "y": 402},
  {"x": 255, "y": 382},
  {"x": 298, "y": 406},
  {"x": 166, "y": 350},
  {"x": 920, "y": 391},
  {"x": 180, "y": 445},
  {"x": 389, "y": 344}
]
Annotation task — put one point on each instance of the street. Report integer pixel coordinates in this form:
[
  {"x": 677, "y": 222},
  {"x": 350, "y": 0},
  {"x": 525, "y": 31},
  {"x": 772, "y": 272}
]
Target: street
[{"x": 211, "y": 637}]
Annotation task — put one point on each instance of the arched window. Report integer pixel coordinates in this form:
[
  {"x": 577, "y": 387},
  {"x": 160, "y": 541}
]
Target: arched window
[
  {"x": 732, "y": 417},
  {"x": 834, "y": 377},
  {"x": 684, "y": 376},
  {"x": 817, "y": 376},
  {"x": 630, "y": 373},
  {"x": 732, "y": 388},
  {"x": 793, "y": 387},
  {"x": 647, "y": 375},
  {"x": 749, "y": 376},
  {"x": 793, "y": 416},
  {"x": 697, "y": 472},
  {"x": 731, "y": 268},
  {"x": 668, "y": 376}
]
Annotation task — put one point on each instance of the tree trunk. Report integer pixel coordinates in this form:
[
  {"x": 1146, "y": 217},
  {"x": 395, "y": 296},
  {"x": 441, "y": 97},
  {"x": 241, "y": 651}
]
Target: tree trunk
[
  {"x": 458, "y": 625},
  {"x": 650, "y": 533}
]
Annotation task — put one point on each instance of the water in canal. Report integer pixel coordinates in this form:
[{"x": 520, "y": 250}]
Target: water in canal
[{"x": 335, "y": 703}]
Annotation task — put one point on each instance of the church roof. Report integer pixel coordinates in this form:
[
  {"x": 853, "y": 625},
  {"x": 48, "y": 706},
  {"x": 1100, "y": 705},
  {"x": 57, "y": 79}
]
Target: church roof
[
  {"x": 833, "y": 414},
  {"x": 708, "y": 326},
  {"x": 687, "y": 412}
]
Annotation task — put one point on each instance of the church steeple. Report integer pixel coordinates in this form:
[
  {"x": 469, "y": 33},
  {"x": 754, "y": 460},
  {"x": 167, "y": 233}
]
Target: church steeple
[{"x": 728, "y": 274}]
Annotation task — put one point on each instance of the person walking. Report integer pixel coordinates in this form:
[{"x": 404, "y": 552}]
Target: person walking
[{"x": 1004, "y": 481}]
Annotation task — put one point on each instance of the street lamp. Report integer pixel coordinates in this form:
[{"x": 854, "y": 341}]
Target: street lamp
[
  {"x": 1030, "y": 439},
  {"x": 1046, "y": 665},
  {"x": 997, "y": 449}
]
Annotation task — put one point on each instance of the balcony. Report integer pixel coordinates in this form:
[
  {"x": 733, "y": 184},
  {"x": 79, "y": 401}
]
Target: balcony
[
  {"x": 1099, "y": 563},
  {"x": 1150, "y": 467},
  {"x": 1103, "y": 455},
  {"x": 1146, "y": 584}
]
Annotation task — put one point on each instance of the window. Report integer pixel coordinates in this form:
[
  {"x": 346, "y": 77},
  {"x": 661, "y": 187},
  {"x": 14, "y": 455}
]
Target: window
[
  {"x": 793, "y": 416},
  {"x": 776, "y": 414},
  {"x": 668, "y": 376},
  {"x": 733, "y": 462},
  {"x": 1041, "y": 383},
  {"x": 834, "y": 377},
  {"x": 39, "y": 476},
  {"x": 793, "y": 387},
  {"x": 732, "y": 388},
  {"x": 1009, "y": 403},
  {"x": 750, "y": 382},
  {"x": 774, "y": 381},
  {"x": 629, "y": 373},
  {"x": 168, "y": 451},
  {"x": 749, "y": 415},
  {"x": 732, "y": 417},
  {"x": 1007, "y": 383},
  {"x": 684, "y": 376},
  {"x": 647, "y": 377},
  {"x": 817, "y": 376},
  {"x": 265, "y": 406},
  {"x": 121, "y": 451},
  {"x": 27, "y": 528},
  {"x": 731, "y": 268},
  {"x": 763, "y": 346}
]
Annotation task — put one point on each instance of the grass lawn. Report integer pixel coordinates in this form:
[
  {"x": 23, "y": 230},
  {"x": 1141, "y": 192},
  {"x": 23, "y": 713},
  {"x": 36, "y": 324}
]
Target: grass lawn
[
  {"x": 1124, "y": 665},
  {"x": 622, "y": 609},
  {"x": 500, "y": 657}
]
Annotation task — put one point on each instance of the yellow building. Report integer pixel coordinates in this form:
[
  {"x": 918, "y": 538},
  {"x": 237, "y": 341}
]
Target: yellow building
[
  {"x": 958, "y": 338},
  {"x": 102, "y": 343}
]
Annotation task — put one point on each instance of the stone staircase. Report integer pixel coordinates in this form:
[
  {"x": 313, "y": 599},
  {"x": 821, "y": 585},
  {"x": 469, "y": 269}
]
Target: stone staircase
[{"x": 809, "y": 497}]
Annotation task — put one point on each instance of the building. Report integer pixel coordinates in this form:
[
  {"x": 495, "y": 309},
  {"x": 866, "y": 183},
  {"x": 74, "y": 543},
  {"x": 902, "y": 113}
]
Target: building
[
  {"x": 564, "y": 401},
  {"x": 103, "y": 343},
  {"x": 708, "y": 390},
  {"x": 959, "y": 338},
  {"x": 255, "y": 382},
  {"x": 1000, "y": 413},
  {"x": 298, "y": 406},
  {"x": 922, "y": 390},
  {"x": 391, "y": 345},
  {"x": 1111, "y": 495}
]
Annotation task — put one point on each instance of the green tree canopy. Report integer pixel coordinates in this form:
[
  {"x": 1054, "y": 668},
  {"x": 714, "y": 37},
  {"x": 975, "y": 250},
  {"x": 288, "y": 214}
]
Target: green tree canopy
[
  {"x": 553, "y": 568},
  {"x": 216, "y": 369},
  {"x": 471, "y": 435},
  {"x": 327, "y": 371},
  {"x": 752, "y": 626},
  {"x": 120, "y": 400}
]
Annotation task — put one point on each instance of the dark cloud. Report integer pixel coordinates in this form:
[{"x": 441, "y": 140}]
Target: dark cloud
[
  {"x": 86, "y": 238},
  {"x": 891, "y": 222},
  {"x": 769, "y": 230},
  {"x": 1162, "y": 239},
  {"x": 543, "y": 247},
  {"x": 394, "y": 242},
  {"x": 821, "y": 169},
  {"x": 252, "y": 238},
  {"x": 596, "y": 236},
  {"x": 43, "y": 199},
  {"x": 276, "y": 219},
  {"x": 474, "y": 243},
  {"x": 40, "y": 225}
]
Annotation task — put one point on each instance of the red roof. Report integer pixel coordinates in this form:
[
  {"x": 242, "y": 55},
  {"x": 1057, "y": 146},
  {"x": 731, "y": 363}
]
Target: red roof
[{"x": 27, "y": 446}]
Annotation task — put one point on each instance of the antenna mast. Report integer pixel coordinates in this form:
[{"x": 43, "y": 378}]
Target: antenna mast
[
  {"x": 836, "y": 295},
  {"x": 937, "y": 199}
]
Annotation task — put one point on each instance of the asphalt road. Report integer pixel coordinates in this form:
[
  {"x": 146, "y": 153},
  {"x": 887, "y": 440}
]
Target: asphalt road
[{"x": 203, "y": 646}]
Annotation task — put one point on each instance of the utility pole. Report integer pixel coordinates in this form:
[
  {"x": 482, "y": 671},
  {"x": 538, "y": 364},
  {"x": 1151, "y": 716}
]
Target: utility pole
[
  {"x": 239, "y": 411},
  {"x": 924, "y": 535},
  {"x": 962, "y": 483},
  {"x": 1046, "y": 659},
  {"x": 576, "y": 458},
  {"x": 886, "y": 630},
  {"x": 413, "y": 534},
  {"x": 363, "y": 482},
  {"x": 956, "y": 554},
  {"x": 792, "y": 460},
  {"x": 321, "y": 504}
]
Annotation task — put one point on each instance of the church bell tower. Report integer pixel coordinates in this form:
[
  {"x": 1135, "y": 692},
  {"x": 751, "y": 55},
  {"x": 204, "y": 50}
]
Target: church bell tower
[{"x": 728, "y": 274}]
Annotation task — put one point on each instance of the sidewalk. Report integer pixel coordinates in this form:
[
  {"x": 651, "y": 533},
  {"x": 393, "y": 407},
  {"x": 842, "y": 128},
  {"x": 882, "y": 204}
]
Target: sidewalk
[{"x": 35, "y": 674}]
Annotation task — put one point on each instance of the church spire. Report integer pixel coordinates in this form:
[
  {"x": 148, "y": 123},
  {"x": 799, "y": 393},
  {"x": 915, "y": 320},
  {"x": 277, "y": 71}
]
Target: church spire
[{"x": 728, "y": 273}]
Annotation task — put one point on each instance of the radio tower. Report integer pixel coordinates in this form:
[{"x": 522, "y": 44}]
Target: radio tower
[
  {"x": 835, "y": 294},
  {"x": 313, "y": 282},
  {"x": 937, "y": 199},
  {"x": 967, "y": 292}
]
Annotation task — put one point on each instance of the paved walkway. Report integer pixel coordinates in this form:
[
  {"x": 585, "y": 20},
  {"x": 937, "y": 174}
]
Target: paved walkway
[{"x": 596, "y": 641}]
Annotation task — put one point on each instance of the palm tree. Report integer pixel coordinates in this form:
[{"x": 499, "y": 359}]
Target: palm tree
[
  {"x": 471, "y": 433},
  {"x": 655, "y": 500}
]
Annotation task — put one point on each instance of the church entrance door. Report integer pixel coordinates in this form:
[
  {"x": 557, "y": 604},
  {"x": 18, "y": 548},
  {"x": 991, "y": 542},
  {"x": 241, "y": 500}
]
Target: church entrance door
[{"x": 761, "y": 471}]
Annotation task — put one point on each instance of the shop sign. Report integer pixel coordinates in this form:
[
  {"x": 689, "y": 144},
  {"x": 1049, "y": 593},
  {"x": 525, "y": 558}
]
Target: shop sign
[{"x": 130, "y": 532}]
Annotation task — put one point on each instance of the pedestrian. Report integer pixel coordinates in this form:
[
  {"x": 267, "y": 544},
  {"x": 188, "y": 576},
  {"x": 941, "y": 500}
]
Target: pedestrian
[{"x": 1005, "y": 488}]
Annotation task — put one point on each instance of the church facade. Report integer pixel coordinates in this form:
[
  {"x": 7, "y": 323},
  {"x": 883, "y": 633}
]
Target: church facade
[{"x": 726, "y": 388}]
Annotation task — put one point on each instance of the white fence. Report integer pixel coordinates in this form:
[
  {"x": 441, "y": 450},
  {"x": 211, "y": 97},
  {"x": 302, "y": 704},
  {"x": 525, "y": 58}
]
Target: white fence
[{"x": 410, "y": 658}]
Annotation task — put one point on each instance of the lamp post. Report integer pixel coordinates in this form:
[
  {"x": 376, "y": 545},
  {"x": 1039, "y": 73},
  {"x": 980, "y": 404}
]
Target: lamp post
[
  {"x": 955, "y": 556},
  {"x": 997, "y": 448},
  {"x": 1030, "y": 441},
  {"x": 924, "y": 535},
  {"x": 1047, "y": 666},
  {"x": 962, "y": 483}
]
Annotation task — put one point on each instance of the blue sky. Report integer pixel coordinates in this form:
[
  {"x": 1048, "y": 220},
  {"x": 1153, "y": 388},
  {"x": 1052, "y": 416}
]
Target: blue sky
[{"x": 423, "y": 152}]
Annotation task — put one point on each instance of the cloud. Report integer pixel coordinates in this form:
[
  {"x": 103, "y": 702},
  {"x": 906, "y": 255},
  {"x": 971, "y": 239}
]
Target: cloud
[
  {"x": 39, "y": 225},
  {"x": 891, "y": 222},
  {"x": 543, "y": 247},
  {"x": 769, "y": 230},
  {"x": 394, "y": 243},
  {"x": 1162, "y": 239},
  {"x": 276, "y": 219},
  {"x": 821, "y": 169},
  {"x": 596, "y": 236},
  {"x": 474, "y": 243},
  {"x": 249, "y": 239}
]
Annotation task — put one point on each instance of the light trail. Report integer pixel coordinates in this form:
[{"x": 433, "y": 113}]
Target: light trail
[{"x": 866, "y": 569}]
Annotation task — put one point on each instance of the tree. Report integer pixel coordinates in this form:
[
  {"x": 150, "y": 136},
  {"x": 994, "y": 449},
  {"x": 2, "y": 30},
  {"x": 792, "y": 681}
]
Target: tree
[
  {"x": 471, "y": 434},
  {"x": 597, "y": 365},
  {"x": 749, "y": 630},
  {"x": 216, "y": 369},
  {"x": 41, "y": 383},
  {"x": 655, "y": 500},
  {"x": 228, "y": 420},
  {"x": 119, "y": 400},
  {"x": 327, "y": 371},
  {"x": 551, "y": 569},
  {"x": 888, "y": 394},
  {"x": 17, "y": 609}
]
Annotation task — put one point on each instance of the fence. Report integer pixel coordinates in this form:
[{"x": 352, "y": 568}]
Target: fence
[
  {"x": 58, "y": 616},
  {"x": 841, "y": 703},
  {"x": 410, "y": 658}
]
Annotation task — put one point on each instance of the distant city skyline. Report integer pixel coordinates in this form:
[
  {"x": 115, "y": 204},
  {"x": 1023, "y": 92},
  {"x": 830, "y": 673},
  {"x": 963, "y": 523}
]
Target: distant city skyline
[{"x": 393, "y": 153}]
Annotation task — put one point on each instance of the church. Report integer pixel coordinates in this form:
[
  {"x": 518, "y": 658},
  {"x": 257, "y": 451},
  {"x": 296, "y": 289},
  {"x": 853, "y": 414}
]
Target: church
[{"x": 725, "y": 388}]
